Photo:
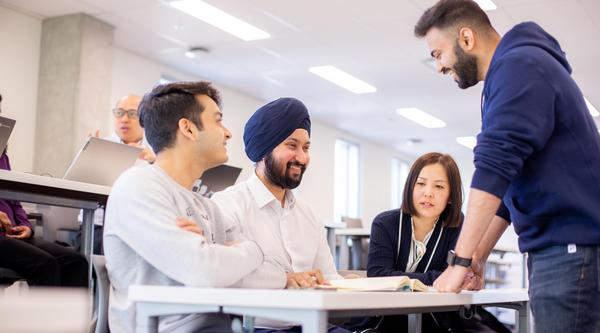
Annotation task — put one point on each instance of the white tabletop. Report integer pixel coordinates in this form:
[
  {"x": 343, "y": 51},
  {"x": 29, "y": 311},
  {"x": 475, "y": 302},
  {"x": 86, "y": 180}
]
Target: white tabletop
[
  {"x": 50, "y": 310},
  {"x": 318, "y": 299},
  {"x": 26, "y": 178}
]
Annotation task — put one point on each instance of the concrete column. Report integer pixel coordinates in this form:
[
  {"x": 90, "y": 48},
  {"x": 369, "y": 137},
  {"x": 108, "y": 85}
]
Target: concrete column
[{"x": 74, "y": 88}]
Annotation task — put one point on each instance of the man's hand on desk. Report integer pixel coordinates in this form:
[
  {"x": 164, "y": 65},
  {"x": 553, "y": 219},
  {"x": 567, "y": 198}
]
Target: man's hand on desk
[
  {"x": 305, "y": 279},
  {"x": 451, "y": 280},
  {"x": 475, "y": 279}
]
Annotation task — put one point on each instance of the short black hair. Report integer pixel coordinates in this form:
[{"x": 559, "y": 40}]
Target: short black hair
[
  {"x": 0, "y": 97},
  {"x": 162, "y": 108},
  {"x": 451, "y": 216},
  {"x": 450, "y": 13}
]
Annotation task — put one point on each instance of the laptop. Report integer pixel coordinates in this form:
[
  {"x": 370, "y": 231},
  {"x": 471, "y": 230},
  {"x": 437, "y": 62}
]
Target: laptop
[
  {"x": 6, "y": 127},
  {"x": 101, "y": 161},
  {"x": 216, "y": 179}
]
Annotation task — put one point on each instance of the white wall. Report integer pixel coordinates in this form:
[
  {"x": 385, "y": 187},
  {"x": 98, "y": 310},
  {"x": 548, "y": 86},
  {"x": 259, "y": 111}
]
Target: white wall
[{"x": 19, "y": 62}]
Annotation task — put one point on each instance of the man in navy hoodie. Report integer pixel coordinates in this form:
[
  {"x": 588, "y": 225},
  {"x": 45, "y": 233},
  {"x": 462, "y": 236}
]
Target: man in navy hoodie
[{"x": 537, "y": 163}]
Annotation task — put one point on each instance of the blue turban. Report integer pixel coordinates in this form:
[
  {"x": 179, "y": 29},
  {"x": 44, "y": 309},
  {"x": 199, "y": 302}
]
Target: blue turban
[{"x": 271, "y": 124}]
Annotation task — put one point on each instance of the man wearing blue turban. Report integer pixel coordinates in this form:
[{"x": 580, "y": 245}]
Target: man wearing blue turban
[{"x": 277, "y": 139}]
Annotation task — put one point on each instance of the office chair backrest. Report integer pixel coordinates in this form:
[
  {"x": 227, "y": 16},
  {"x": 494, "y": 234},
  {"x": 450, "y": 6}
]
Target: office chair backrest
[
  {"x": 352, "y": 222},
  {"x": 102, "y": 291}
]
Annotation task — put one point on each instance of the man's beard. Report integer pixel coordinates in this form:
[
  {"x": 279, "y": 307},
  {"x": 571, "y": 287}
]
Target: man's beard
[
  {"x": 465, "y": 68},
  {"x": 278, "y": 177}
]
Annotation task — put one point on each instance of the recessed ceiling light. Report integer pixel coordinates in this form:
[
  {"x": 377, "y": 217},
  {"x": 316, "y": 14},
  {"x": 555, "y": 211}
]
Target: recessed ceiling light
[
  {"x": 421, "y": 117},
  {"x": 342, "y": 79},
  {"x": 467, "y": 141},
  {"x": 220, "y": 19},
  {"x": 197, "y": 51},
  {"x": 591, "y": 108},
  {"x": 486, "y": 4}
]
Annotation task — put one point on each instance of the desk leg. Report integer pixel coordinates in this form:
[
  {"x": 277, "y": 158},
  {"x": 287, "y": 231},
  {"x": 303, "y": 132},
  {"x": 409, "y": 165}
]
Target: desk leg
[
  {"x": 331, "y": 241},
  {"x": 144, "y": 321},
  {"x": 314, "y": 321},
  {"x": 344, "y": 253},
  {"x": 87, "y": 244},
  {"x": 414, "y": 322},
  {"x": 523, "y": 318}
]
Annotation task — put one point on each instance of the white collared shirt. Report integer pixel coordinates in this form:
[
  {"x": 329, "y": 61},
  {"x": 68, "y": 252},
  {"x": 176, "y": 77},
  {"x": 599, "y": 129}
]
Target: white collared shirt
[{"x": 291, "y": 235}]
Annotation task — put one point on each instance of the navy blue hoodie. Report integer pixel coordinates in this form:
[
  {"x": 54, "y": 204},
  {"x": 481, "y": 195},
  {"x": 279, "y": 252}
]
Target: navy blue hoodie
[{"x": 539, "y": 148}]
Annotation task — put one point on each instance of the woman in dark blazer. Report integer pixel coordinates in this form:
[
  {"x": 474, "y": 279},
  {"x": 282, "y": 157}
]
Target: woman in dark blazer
[{"x": 415, "y": 239}]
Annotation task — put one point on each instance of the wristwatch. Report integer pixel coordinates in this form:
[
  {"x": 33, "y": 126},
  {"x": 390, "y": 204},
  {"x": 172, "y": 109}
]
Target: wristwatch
[{"x": 453, "y": 259}]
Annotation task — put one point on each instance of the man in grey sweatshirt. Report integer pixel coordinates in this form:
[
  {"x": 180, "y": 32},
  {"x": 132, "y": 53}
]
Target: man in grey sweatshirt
[{"x": 158, "y": 232}]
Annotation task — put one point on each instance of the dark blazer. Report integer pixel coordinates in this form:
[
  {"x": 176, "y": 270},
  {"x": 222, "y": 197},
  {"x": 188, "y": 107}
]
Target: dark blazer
[{"x": 383, "y": 257}]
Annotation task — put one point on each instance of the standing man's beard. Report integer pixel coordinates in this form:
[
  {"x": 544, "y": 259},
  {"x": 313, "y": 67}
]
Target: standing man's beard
[
  {"x": 465, "y": 68},
  {"x": 278, "y": 177}
]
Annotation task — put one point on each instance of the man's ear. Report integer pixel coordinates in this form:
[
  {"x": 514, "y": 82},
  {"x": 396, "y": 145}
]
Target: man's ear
[
  {"x": 466, "y": 39},
  {"x": 187, "y": 128}
]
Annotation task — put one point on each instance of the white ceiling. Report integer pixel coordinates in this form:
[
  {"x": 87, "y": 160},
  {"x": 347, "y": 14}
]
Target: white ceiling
[{"x": 371, "y": 40}]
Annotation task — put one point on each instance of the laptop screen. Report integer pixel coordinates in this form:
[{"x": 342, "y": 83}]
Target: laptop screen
[
  {"x": 216, "y": 179},
  {"x": 6, "y": 127}
]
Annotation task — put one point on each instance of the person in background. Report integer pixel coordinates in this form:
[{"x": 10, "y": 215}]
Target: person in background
[
  {"x": 537, "y": 162},
  {"x": 414, "y": 241},
  {"x": 127, "y": 126},
  {"x": 41, "y": 263}
]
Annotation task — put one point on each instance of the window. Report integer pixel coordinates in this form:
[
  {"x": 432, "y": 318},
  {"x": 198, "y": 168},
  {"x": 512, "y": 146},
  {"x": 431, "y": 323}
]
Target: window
[
  {"x": 346, "y": 182},
  {"x": 399, "y": 174}
]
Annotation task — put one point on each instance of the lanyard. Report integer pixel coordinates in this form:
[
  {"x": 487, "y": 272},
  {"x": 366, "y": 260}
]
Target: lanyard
[{"x": 400, "y": 241}]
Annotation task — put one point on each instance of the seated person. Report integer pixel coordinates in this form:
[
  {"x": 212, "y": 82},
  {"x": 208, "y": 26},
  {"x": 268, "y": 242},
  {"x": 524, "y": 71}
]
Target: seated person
[
  {"x": 39, "y": 262},
  {"x": 415, "y": 239},
  {"x": 127, "y": 126},
  {"x": 158, "y": 232},
  {"x": 277, "y": 139}
]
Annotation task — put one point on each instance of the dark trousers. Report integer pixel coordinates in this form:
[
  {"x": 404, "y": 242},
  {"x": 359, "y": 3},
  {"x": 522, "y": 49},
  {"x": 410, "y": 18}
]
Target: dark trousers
[
  {"x": 564, "y": 289},
  {"x": 43, "y": 263}
]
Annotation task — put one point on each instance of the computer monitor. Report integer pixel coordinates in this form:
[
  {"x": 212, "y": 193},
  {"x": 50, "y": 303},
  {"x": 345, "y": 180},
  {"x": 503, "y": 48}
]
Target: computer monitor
[
  {"x": 216, "y": 179},
  {"x": 6, "y": 127},
  {"x": 101, "y": 161}
]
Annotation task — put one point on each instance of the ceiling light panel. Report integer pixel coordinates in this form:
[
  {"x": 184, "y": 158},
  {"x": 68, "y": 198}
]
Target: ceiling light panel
[
  {"x": 421, "y": 117},
  {"x": 342, "y": 79},
  {"x": 220, "y": 19}
]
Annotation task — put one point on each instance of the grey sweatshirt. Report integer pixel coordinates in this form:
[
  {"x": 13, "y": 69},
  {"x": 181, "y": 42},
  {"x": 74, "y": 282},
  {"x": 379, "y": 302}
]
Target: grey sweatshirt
[{"x": 144, "y": 246}]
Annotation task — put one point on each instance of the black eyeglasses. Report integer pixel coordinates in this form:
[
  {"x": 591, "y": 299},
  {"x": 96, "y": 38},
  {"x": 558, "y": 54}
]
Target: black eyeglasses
[{"x": 120, "y": 113}]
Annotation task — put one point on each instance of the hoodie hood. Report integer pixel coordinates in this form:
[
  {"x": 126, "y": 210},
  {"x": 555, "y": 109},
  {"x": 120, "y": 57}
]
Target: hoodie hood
[{"x": 531, "y": 34}]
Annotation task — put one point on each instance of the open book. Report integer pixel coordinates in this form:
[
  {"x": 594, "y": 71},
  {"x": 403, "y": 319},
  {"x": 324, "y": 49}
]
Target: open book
[{"x": 386, "y": 283}]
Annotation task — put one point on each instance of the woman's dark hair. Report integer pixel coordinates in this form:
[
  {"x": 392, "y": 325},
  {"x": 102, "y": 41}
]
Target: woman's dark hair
[
  {"x": 162, "y": 108},
  {"x": 451, "y": 13},
  {"x": 451, "y": 215}
]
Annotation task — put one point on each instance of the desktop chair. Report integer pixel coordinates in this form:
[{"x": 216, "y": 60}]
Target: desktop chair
[{"x": 100, "y": 316}]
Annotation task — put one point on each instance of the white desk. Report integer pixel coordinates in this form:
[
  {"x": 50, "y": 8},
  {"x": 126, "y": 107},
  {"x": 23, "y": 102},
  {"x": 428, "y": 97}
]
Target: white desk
[
  {"x": 49, "y": 310},
  {"x": 344, "y": 249},
  {"x": 57, "y": 192},
  {"x": 312, "y": 308}
]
